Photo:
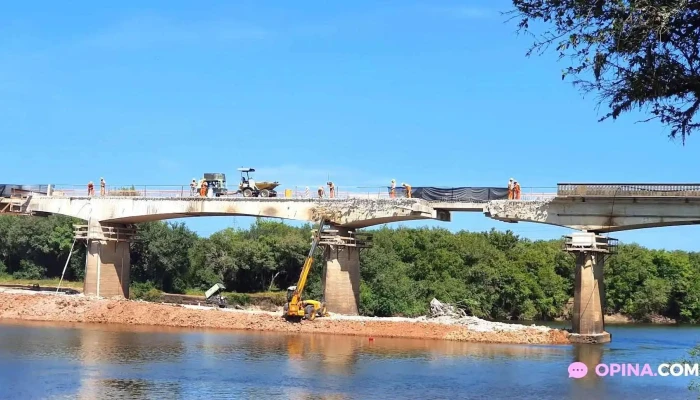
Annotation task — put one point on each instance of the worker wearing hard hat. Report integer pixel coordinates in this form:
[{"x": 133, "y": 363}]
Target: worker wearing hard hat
[
  {"x": 321, "y": 192},
  {"x": 331, "y": 189},
  {"x": 516, "y": 190},
  {"x": 407, "y": 187},
  {"x": 103, "y": 187},
  {"x": 91, "y": 189},
  {"x": 392, "y": 192},
  {"x": 203, "y": 188},
  {"x": 510, "y": 189},
  {"x": 193, "y": 187}
]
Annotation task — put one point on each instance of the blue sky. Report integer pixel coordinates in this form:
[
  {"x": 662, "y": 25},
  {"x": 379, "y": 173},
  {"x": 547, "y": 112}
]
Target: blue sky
[{"x": 433, "y": 93}]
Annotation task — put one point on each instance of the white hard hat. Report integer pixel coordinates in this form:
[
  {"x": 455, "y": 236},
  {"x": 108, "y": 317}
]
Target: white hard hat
[
  {"x": 510, "y": 179},
  {"x": 393, "y": 180}
]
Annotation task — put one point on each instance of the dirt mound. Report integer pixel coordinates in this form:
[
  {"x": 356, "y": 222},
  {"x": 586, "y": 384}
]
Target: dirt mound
[{"x": 44, "y": 307}]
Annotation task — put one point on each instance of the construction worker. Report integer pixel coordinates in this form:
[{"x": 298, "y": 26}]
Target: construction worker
[
  {"x": 103, "y": 186},
  {"x": 203, "y": 189},
  {"x": 516, "y": 190},
  {"x": 91, "y": 189},
  {"x": 510, "y": 189},
  {"x": 392, "y": 192},
  {"x": 321, "y": 192},
  {"x": 407, "y": 187},
  {"x": 193, "y": 187},
  {"x": 331, "y": 189}
]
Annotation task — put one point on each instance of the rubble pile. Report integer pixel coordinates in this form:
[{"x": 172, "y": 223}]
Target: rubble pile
[{"x": 449, "y": 314}]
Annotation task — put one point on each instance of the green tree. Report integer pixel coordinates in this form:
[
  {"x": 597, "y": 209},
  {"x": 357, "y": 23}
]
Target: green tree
[
  {"x": 160, "y": 255},
  {"x": 635, "y": 54}
]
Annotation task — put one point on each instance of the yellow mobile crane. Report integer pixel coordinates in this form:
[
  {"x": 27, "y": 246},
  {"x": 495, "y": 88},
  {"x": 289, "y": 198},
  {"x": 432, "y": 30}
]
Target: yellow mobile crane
[{"x": 296, "y": 306}]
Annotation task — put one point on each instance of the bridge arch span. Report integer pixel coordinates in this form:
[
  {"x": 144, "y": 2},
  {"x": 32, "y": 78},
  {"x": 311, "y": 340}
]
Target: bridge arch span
[{"x": 355, "y": 213}]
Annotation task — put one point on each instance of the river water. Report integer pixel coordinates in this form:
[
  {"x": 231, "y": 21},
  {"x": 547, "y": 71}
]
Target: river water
[{"x": 83, "y": 361}]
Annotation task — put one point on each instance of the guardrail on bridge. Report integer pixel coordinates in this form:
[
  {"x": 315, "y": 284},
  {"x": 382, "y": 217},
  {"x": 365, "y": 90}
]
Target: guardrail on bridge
[
  {"x": 629, "y": 189},
  {"x": 292, "y": 192}
]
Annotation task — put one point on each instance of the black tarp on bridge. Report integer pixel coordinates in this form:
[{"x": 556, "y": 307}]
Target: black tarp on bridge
[{"x": 466, "y": 194}]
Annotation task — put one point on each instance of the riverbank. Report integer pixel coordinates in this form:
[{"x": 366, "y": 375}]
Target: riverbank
[{"x": 61, "y": 308}]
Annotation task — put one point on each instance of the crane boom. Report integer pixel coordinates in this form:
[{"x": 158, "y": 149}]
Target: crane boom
[{"x": 296, "y": 306}]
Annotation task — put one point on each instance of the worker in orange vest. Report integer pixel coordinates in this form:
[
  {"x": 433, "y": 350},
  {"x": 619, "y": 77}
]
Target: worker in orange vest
[
  {"x": 510, "y": 189},
  {"x": 407, "y": 187},
  {"x": 516, "y": 190},
  {"x": 331, "y": 189},
  {"x": 392, "y": 193},
  {"x": 203, "y": 189},
  {"x": 91, "y": 189},
  {"x": 103, "y": 187}
]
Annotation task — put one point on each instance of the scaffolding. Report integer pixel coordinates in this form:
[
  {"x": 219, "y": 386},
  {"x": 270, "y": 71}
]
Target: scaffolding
[
  {"x": 590, "y": 242},
  {"x": 332, "y": 237},
  {"x": 105, "y": 233}
]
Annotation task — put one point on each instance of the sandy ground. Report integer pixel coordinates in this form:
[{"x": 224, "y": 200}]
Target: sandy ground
[{"x": 77, "y": 308}]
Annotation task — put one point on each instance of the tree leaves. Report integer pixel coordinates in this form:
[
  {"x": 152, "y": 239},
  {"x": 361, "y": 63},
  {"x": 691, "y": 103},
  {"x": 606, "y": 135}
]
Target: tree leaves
[{"x": 639, "y": 54}]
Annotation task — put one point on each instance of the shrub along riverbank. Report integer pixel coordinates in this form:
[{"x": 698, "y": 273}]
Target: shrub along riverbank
[{"x": 489, "y": 274}]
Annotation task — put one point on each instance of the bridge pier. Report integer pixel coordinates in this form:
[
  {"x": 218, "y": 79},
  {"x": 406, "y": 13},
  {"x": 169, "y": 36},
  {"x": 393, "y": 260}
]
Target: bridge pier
[
  {"x": 341, "y": 274},
  {"x": 588, "y": 319},
  {"x": 108, "y": 259}
]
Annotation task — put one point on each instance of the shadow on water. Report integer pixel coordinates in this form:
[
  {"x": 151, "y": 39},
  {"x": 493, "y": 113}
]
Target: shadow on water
[{"x": 117, "y": 361}]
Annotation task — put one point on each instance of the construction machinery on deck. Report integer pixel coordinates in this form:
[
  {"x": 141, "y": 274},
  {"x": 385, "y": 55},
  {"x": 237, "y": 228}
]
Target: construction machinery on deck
[
  {"x": 296, "y": 306},
  {"x": 250, "y": 188},
  {"x": 216, "y": 183}
]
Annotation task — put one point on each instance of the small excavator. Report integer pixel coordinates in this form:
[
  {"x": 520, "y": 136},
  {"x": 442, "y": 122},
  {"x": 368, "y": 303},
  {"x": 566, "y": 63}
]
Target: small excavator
[{"x": 296, "y": 307}]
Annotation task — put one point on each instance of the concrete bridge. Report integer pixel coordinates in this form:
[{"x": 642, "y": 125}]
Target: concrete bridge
[{"x": 592, "y": 208}]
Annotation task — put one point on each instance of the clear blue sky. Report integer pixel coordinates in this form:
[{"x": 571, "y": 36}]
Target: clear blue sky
[{"x": 432, "y": 93}]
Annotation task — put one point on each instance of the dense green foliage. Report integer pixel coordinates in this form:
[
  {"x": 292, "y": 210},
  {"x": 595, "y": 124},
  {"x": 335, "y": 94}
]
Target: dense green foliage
[{"x": 489, "y": 274}]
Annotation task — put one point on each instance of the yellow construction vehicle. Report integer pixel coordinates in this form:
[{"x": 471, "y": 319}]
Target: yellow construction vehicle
[{"x": 296, "y": 307}]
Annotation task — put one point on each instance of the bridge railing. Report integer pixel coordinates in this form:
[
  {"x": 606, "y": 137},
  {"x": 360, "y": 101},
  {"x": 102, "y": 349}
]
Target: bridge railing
[
  {"x": 629, "y": 189},
  {"x": 293, "y": 192}
]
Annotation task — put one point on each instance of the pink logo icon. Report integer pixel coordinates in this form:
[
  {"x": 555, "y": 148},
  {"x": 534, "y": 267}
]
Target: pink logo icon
[{"x": 577, "y": 370}]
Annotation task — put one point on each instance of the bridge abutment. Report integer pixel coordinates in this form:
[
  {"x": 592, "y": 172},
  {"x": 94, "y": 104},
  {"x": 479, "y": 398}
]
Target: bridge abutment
[
  {"x": 341, "y": 273},
  {"x": 588, "y": 319},
  {"x": 108, "y": 259}
]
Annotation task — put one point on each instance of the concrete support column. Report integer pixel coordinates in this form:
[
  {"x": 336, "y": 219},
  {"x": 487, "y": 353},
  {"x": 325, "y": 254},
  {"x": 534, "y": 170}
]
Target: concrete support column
[
  {"x": 108, "y": 261},
  {"x": 341, "y": 278},
  {"x": 588, "y": 320}
]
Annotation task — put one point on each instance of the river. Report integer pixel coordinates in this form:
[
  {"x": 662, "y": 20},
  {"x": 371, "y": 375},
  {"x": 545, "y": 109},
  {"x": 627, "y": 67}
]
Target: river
[{"x": 68, "y": 361}]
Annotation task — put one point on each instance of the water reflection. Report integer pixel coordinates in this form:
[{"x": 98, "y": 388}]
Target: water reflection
[
  {"x": 98, "y": 361},
  {"x": 591, "y": 355}
]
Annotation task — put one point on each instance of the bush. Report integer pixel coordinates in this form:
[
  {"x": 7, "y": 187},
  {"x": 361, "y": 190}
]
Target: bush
[
  {"x": 29, "y": 270},
  {"x": 237, "y": 298},
  {"x": 145, "y": 291}
]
